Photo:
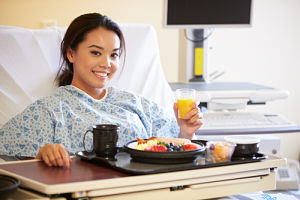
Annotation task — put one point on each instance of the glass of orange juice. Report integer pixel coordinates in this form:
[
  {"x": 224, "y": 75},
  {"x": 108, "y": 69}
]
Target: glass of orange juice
[{"x": 185, "y": 99}]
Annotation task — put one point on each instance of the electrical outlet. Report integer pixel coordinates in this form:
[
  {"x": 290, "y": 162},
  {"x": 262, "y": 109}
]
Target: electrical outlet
[{"x": 48, "y": 23}]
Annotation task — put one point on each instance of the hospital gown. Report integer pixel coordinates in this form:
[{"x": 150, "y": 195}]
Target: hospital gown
[{"x": 68, "y": 113}]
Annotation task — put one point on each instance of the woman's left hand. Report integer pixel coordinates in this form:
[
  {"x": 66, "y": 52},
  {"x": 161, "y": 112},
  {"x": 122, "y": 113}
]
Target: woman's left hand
[{"x": 191, "y": 123}]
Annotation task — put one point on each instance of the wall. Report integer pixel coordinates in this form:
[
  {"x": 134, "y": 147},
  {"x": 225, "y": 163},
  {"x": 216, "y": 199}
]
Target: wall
[
  {"x": 30, "y": 13},
  {"x": 267, "y": 53}
]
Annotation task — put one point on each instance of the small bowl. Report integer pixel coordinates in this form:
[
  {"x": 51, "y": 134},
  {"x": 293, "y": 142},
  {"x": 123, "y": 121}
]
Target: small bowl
[
  {"x": 219, "y": 151},
  {"x": 246, "y": 146}
]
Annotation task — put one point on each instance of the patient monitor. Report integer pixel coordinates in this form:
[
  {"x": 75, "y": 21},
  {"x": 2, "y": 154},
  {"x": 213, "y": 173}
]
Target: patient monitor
[{"x": 197, "y": 17}]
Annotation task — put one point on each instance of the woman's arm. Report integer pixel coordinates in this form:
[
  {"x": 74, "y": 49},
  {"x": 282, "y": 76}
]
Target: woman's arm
[
  {"x": 31, "y": 133},
  {"x": 192, "y": 122},
  {"x": 27, "y": 132},
  {"x": 166, "y": 125}
]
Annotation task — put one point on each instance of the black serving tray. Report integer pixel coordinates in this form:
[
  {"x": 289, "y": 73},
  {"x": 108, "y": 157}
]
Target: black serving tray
[{"x": 123, "y": 162}]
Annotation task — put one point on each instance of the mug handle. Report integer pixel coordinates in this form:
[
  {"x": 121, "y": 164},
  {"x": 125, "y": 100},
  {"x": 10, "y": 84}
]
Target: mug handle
[{"x": 84, "y": 142}]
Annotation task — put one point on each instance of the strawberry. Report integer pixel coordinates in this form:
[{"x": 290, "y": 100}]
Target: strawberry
[
  {"x": 190, "y": 147},
  {"x": 156, "y": 147}
]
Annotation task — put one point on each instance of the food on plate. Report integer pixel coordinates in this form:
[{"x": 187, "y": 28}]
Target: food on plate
[
  {"x": 175, "y": 141},
  {"x": 143, "y": 141},
  {"x": 142, "y": 144},
  {"x": 190, "y": 147},
  {"x": 163, "y": 144},
  {"x": 156, "y": 147}
]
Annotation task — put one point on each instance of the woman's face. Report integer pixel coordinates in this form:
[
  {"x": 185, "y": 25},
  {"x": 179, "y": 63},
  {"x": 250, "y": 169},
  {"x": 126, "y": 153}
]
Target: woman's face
[{"x": 95, "y": 60}]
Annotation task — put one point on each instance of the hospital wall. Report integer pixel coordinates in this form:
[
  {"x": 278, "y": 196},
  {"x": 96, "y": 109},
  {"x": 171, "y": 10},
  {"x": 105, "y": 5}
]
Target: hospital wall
[{"x": 266, "y": 53}]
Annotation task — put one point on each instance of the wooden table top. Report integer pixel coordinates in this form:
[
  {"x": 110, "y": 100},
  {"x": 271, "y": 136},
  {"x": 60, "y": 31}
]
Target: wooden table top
[{"x": 79, "y": 171}]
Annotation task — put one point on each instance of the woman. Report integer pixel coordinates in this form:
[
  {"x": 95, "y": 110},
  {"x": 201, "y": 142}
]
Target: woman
[{"x": 52, "y": 128}]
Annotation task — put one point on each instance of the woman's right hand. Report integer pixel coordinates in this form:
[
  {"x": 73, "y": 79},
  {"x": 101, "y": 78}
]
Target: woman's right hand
[{"x": 54, "y": 155}]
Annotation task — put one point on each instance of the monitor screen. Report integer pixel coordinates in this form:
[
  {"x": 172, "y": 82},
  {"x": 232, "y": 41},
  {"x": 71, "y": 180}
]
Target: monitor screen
[{"x": 207, "y": 13}]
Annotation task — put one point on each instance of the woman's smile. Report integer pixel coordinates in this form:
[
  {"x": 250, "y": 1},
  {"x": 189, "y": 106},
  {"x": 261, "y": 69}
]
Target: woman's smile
[{"x": 101, "y": 75}]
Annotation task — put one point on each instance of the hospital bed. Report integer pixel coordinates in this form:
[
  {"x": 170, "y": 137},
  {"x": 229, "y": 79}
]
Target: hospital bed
[{"x": 29, "y": 61}]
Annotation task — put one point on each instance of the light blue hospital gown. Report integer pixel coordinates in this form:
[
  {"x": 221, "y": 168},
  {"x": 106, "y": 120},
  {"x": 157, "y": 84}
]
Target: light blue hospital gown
[{"x": 65, "y": 116}]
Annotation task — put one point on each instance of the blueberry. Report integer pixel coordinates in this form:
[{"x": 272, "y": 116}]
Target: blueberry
[{"x": 177, "y": 147}]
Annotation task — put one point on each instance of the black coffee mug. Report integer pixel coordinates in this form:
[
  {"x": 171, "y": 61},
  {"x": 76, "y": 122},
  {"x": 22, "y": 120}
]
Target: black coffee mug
[{"x": 105, "y": 138}]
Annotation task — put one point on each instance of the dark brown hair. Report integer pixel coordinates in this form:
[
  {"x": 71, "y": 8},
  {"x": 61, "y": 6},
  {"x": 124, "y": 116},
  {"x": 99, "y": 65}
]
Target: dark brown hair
[{"x": 76, "y": 33}]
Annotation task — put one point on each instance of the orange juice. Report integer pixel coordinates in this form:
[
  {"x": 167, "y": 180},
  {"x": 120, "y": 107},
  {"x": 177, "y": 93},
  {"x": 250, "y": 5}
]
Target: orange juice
[{"x": 184, "y": 106}]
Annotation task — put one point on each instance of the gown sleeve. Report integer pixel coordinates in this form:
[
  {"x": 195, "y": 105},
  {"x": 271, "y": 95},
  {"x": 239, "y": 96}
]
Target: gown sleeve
[
  {"x": 27, "y": 132},
  {"x": 163, "y": 123}
]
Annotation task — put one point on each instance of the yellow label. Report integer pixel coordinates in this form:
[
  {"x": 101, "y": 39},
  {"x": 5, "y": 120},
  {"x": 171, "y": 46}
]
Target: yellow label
[
  {"x": 184, "y": 106},
  {"x": 198, "y": 61}
]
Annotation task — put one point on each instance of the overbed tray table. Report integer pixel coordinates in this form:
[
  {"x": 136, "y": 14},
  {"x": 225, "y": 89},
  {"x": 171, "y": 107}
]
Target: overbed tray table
[{"x": 99, "y": 181}]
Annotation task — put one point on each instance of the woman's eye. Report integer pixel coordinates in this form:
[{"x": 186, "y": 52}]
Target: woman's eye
[
  {"x": 114, "y": 55},
  {"x": 97, "y": 53}
]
